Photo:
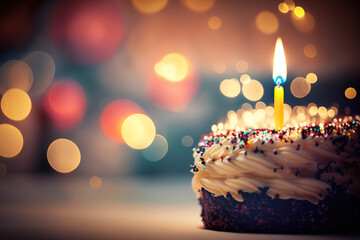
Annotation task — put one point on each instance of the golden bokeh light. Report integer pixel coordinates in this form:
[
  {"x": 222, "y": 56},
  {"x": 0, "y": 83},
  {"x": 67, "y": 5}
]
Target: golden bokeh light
[
  {"x": 15, "y": 74},
  {"x": 300, "y": 87},
  {"x": 287, "y": 112},
  {"x": 199, "y": 5},
  {"x": 213, "y": 128},
  {"x": 173, "y": 67},
  {"x": 299, "y": 12},
  {"x": 331, "y": 113},
  {"x": 214, "y": 23},
  {"x": 313, "y": 110},
  {"x": 149, "y": 6},
  {"x": 245, "y": 79},
  {"x": 267, "y": 22},
  {"x": 290, "y": 4},
  {"x": 219, "y": 67},
  {"x": 311, "y": 78},
  {"x": 253, "y": 90},
  {"x": 241, "y": 66},
  {"x": 16, "y": 104},
  {"x": 269, "y": 110},
  {"x": 138, "y": 131},
  {"x": 230, "y": 87},
  {"x": 260, "y": 105},
  {"x": 259, "y": 115},
  {"x": 350, "y": 93},
  {"x": 11, "y": 141},
  {"x": 157, "y": 149},
  {"x": 95, "y": 182},
  {"x": 304, "y": 24},
  {"x": 310, "y": 51},
  {"x": 323, "y": 113},
  {"x": 188, "y": 141},
  {"x": 246, "y": 106},
  {"x": 63, "y": 155},
  {"x": 283, "y": 7}
]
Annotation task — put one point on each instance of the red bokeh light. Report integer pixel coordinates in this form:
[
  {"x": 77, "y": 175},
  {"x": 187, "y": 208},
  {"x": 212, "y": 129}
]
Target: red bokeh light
[
  {"x": 114, "y": 115},
  {"x": 89, "y": 31},
  {"x": 65, "y": 104}
]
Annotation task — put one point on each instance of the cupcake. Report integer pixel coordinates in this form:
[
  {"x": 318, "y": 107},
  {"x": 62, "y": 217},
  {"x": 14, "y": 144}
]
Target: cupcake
[{"x": 298, "y": 180}]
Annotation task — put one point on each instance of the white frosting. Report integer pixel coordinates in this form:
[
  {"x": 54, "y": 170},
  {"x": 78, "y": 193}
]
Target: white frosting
[{"x": 230, "y": 171}]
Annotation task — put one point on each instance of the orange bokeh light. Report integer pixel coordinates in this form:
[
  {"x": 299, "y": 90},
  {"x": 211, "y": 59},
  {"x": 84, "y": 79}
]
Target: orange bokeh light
[{"x": 114, "y": 115}]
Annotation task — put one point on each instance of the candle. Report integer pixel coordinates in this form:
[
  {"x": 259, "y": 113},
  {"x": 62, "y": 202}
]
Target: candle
[{"x": 279, "y": 77}]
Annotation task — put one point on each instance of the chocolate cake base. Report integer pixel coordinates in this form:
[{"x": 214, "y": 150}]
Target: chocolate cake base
[{"x": 258, "y": 213}]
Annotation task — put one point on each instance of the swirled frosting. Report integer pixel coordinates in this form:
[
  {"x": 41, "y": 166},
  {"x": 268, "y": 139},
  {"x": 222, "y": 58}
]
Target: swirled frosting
[{"x": 299, "y": 163}]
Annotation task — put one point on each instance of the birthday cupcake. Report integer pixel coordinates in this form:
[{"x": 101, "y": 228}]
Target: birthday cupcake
[{"x": 297, "y": 180}]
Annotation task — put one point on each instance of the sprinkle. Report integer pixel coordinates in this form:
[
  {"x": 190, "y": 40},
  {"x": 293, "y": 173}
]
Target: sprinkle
[
  {"x": 204, "y": 168},
  {"x": 245, "y": 153},
  {"x": 275, "y": 152}
]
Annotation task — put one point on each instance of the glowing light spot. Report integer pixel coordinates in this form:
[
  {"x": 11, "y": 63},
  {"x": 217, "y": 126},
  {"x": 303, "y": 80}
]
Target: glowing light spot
[
  {"x": 138, "y": 131},
  {"x": 313, "y": 110},
  {"x": 213, "y": 128},
  {"x": 16, "y": 104},
  {"x": 331, "y": 113},
  {"x": 241, "y": 66},
  {"x": 269, "y": 110},
  {"x": 63, "y": 155},
  {"x": 220, "y": 126},
  {"x": 219, "y": 67},
  {"x": 173, "y": 67},
  {"x": 66, "y": 104},
  {"x": 95, "y": 182},
  {"x": 149, "y": 6},
  {"x": 267, "y": 22},
  {"x": 350, "y": 93},
  {"x": 283, "y": 7},
  {"x": 300, "y": 110},
  {"x": 113, "y": 116},
  {"x": 246, "y": 106},
  {"x": 299, "y": 12},
  {"x": 290, "y": 4},
  {"x": 157, "y": 150},
  {"x": 322, "y": 111},
  {"x": 199, "y": 5},
  {"x": 301, "y": 117},
  {"x": 287, "y": 112},
  {"x": 248, "y": 117},
  {"x": 15, "y": 74},
  {"x": 253, "y": 90},
  {"x": 188, "y": 141},
  {"x": 3, "y": 169},
  {"x": 214, "y": 23},
  {"x": 259, "y": 115},
  {"x": 230, "y": 87},
  {"x": 300, "y": 87},
  {"x": 43, "y": 68},
  {"x": 304, "y": 24},
  {"x": 11, "y": 141},
  {"x": 310, "y": 51},
  {"x": 260, "y": 105},
  {"x": 245, "y": 79},
  {"x": 311, "y": 78}
]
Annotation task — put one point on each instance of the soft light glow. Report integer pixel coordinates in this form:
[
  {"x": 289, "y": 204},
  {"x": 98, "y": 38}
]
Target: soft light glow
[
  {"x": 219, "y": 67},
  {"x": 267, "y": 22},
  {"x": 173, "y": 67},
  {"x": 310, "y": 51},
  {"x": 230, "y": 87},
  {"x": 157, "y": 150},
  {"x": 283, "y": 8},
  {"x": 311, "y": 78},
  {"x": 11, "y": 141},
  {"x": 241, "y": 66},
  {"x": 245, "y": 79},
  {"x": 279, "y": 68},
  {"x": 188, "y": 141},
  {"x": 15, "y": 74},
  {"x": 350, "y": 93},
  {"x": 95, "y": 182},
  {"x": 313, "y": 110},
  {"x": 299, "y": 12},
  {"x": 253, "y": 90},
  {"x": 149, "y": 6},
  {"x": 63, "y": 155},
  {"x": 300, "y": 87},
  {"x": 199, "y": 5},
  {"x": 331, "y": 113},
  {"x": 260, "y": 105},
  {"x": 16, "y": 104},
  {"x": 290, "y": 4},
  {"x": 322, "y": 111},
  {"x": 269, "y": 110},
  {"x": 138, "y": 131},
  {"x": 214, "y": 23},
  {"x": 304, "y": 24}
]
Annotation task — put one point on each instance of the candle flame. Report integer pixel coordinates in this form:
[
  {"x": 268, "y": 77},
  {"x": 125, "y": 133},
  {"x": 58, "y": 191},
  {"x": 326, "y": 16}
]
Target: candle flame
[{"x": 279, "y": 70}]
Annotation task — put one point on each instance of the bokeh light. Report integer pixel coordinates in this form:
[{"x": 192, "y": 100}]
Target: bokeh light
[
  {"x": 138, "y": 131},
  {"x": 15, "y": 74},
  {"x": 43, "y": 69},
  {"x": 311, "y": 78},
  {"x": 300, "y": 87},
  {"x": 269, "y": 110},
  {"x": 283, "y": 7},
  {"x": 65, "y": 104},
  {"x": 331, "y": 113},
  {"x": 157, "y": 150},
  {"x": 63, "y": 155},
  {"x": 11, "y": 141},
  {"x": 299, "y": 12},
  {"x": 188, "y": 141},
  {"x": 95, "y": 182},
  {"x": 199, "y": 5},
  {"x": 219, "y": 67},
  {"x": 87, "y": 31},
  {"x": 322, "y": 111},
  {"x": 245, "y": 78},
  {"x": 260, "y": 105},
  {"x": 149, "y": 6},
  {"x": 313, "y": 110},
  {"x": 242, "y": 66},
  {"x": 16, "y": 104},
  {"x": 113, "y": 116},
  {"x": 310, "y": 51},
  {"x": 253, "y": 90},
  {"x": 173, "y": 67},
  {"x": 214, "y": 22},
  {"x": 230, "y": 87},
  {"x": 350, "y": 93},
  {"x": 267, "y": 22},
  {"x": 304, "y": 24}
]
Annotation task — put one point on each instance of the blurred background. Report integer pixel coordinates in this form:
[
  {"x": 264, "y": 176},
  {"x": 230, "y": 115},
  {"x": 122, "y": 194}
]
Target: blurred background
[{"x": 101, "y": 90}]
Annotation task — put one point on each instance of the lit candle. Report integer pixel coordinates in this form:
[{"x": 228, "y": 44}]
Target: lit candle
[{"x": 279, "y": 77}]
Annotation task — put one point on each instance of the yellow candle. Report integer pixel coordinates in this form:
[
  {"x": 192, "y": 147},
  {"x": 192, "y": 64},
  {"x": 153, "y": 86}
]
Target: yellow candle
[{"x": 279, "y": 107}]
